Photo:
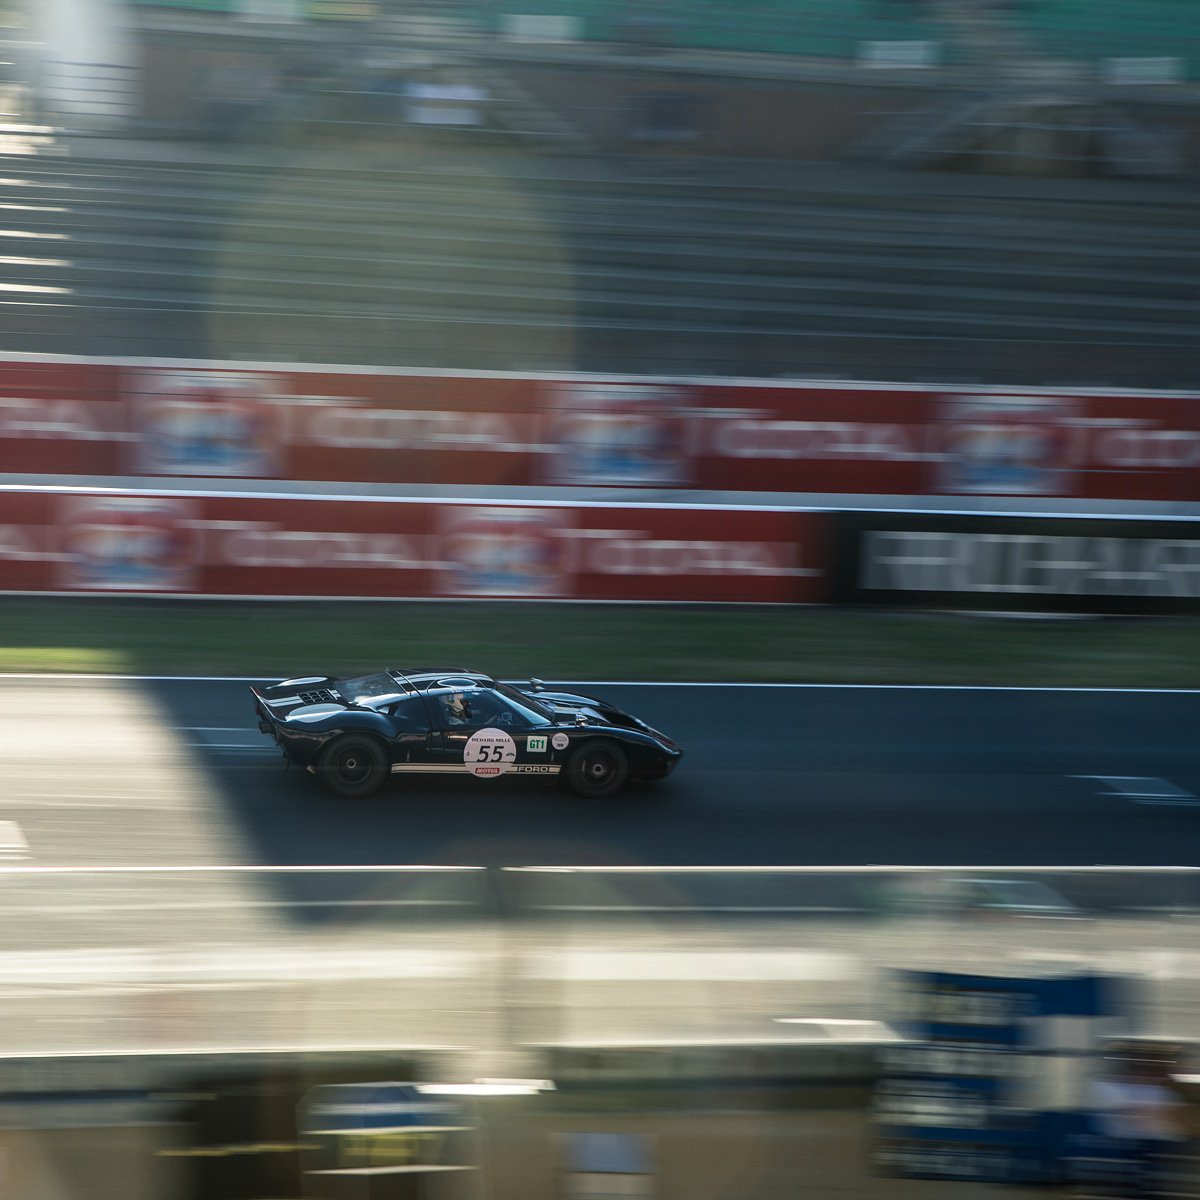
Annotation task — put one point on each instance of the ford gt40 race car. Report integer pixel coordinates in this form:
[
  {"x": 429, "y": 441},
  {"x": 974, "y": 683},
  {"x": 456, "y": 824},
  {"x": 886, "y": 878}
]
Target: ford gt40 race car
[{"x": 355, "y": 733}]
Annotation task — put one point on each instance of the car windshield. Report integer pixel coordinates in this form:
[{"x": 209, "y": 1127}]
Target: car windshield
[
  {"x": 370, "y": 687},
  {"x": 532, "y": 710}
]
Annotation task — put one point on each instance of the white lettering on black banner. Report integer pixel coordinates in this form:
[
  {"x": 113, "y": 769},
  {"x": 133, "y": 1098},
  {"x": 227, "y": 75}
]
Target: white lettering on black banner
[{"x": 1032, "y": 564}]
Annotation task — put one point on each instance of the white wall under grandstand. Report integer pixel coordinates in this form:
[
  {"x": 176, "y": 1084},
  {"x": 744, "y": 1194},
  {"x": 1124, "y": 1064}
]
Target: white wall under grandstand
[{"x": 87, "y": 62}]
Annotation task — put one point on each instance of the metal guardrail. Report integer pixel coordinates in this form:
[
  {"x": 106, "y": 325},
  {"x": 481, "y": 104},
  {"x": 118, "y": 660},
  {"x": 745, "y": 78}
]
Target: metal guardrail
[
  {"x": 491, "y": 893},
  {"x": 873, "y": 890}
]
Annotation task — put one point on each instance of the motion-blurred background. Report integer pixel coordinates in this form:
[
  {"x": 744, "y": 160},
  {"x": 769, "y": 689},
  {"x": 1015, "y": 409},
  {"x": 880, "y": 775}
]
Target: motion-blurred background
[
  {"x": 882, "y": 304},
  {"x": 971, "y": 191}
]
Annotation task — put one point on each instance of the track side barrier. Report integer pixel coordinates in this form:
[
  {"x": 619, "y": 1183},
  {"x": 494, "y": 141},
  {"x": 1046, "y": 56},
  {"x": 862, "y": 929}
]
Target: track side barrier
[
  {"x": 1018, "y": 564},
  {"x": 130, "y": 417},
  {"x": 585, "y": 892},
  {"x": 249, "y": 545},
  {"x": 252, "y": 545}
]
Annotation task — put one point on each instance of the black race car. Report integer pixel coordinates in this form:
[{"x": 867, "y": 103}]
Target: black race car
[{"x": 354, "y": 733}]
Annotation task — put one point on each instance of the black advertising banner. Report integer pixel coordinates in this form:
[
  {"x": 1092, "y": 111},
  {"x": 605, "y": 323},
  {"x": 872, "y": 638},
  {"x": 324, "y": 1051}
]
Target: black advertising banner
[{"x": 1017, "y": 564}]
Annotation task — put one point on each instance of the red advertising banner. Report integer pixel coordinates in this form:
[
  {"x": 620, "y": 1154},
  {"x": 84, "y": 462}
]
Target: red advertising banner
[
  {"x": 228, "y": 545},
  {"x": 350, "y": 427},
  {"x": 797, "y": 438},
  {"x": 1115, "y": 447},
  {"x": 61, "y": 418},
  {"x": 471, "y": 430}
]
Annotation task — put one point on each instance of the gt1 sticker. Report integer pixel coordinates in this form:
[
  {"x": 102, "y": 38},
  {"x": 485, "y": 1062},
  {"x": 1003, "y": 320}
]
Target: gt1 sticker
[
  {"x": 537, "y": 743},
  {"x": 489, "y": 752},
  {"x": 560, "y": 741}
]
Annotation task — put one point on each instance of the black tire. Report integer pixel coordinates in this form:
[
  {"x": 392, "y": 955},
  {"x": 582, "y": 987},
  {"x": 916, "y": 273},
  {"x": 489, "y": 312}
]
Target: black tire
[
  {"x": 353, "y": 767},
  {"x": 597, "y": 769}
]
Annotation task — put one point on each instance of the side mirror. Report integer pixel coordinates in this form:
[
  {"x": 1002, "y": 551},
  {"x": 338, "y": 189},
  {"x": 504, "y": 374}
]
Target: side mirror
[{"x": 536, "y": 684}]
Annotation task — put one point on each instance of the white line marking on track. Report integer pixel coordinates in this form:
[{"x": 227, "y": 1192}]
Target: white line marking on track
[
  {"x": 251, "y": 739},
  {"x": 885, "y": 687},
  {"x": 664, "y": 683},
  {"x": 241, "y": 747},
  {"x": 1146, "y": 789}
]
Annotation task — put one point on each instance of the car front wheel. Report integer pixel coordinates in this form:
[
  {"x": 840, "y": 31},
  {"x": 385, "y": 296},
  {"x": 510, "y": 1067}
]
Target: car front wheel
[
  {"x": 597, "y": 769},
  {"x": 353, "y": 767}
]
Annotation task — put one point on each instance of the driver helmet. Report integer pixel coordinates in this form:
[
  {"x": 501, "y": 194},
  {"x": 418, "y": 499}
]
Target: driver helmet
[{"x": 459, "y": 707}]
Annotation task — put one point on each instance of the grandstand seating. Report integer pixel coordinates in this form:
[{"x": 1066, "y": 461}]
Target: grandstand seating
[{"x": 512, "y": 261}]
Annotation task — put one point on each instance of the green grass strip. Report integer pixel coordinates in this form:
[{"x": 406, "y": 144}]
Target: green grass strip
[{"x": 584, "y": 641}]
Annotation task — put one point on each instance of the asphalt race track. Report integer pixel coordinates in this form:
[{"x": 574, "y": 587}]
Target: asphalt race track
[
  {"x": 170, "y": 771},
  {"x": 136, "y": 816}
]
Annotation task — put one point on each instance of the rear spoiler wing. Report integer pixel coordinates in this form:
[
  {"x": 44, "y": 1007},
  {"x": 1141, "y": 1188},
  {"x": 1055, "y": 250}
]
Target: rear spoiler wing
[{"x": 265, "y": 722}]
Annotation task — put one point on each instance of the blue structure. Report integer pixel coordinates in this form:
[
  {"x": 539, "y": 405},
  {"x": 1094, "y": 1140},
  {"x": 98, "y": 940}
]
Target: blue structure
[{"x": 994, "y": 1084}]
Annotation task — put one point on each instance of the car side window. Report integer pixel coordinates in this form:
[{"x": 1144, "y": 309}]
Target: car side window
[
  {"x": 409, "y": 715},
  {"x": 475, "y": 709},
  {"x": 484, "y": 709}
]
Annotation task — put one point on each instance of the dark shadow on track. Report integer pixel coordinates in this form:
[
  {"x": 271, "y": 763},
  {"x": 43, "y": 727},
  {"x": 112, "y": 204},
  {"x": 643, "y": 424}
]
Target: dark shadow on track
[{"x": 835, "y": 777}]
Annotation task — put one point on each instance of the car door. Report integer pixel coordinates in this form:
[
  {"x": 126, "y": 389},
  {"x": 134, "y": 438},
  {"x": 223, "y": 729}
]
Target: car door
[
  {"x": 413, "y": 740},
  {"x": 496, "y": 739}
]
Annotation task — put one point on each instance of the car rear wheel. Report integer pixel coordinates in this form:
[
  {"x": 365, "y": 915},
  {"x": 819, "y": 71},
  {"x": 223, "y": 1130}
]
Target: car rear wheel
[
  {"x": 597, "y": 769},
  {"x": 353, "y": 767}
]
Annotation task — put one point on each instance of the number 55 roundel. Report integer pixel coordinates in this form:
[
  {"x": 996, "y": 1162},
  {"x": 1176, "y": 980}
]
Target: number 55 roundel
[{"x": 489, "y": 752}]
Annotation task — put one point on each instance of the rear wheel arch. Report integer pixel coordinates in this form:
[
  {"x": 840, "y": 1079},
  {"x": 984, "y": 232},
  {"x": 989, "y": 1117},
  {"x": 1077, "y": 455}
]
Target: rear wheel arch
[{"x": 354, "y": 765}]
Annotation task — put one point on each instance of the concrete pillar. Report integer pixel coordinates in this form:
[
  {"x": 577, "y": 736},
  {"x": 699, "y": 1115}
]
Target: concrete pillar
[{"x": 86, "y": 70}]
